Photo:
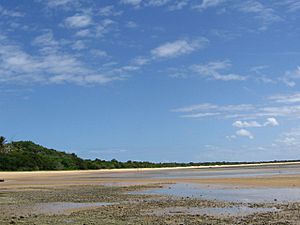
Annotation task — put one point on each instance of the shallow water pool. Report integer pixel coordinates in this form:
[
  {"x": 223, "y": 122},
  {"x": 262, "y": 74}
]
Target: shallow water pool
[{"x": 230, "y": 194}]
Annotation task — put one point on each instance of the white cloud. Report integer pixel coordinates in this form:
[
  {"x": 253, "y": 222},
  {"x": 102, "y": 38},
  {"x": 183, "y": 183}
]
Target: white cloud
[
  {"x": 100, "y": 29},
  {"x": 245, "y": 124},
  {"x": 78, "y": 45},
  {"x": 179, "y": 4},
  {"x": 231, "y": 137},
  {"x": 9, "y": 13},
  {"x": 271, "y": 122},
  {"x": 99, "y": 53},
  {"x": 178, "y": 48},
  {"x": 57, "y": 3},
  {"x": 131, "y": 24},
  {"x": 291, "y": 5},
  {"x": 275, "y": 107},
  {"x": 192, "y": 108},
  {"x": 208, "y": 4},
  {"x": 291, "y": 111},
  {"x": 109, "y": 11},
  {"x": 104, "y": 27},
  {"x": 260, "y": 76},
  {"x": 286, "y": 99},
  {"x": 263, "y": 13},
  {"x": 200, "y": 115},
  {"x": 78, "y": 21},
  {"x": 216, "y": 108},
  {"x": 46, "y": 42},
  {"x": 148, "y": 3},
  {"x": 290, "y": 139},
  {"x": 18, "y": 66},
  {"x": 212, "y": 70},
  {"x": 131, "y": 2},
  {"x": 140, "y": 61},
  {"x": 157, "y": 2},
  {"x": 83, "y": 33},
  {"x": 244, "y": 133},
  {"x": 290, "y": 77}
]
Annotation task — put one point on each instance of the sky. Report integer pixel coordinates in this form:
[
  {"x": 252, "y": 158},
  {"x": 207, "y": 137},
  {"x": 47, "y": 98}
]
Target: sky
[{"x": 155, "y": 80}]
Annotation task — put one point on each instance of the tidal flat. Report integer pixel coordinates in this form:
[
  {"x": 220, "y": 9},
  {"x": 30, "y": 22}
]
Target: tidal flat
[{"x": 231, "y": 195}]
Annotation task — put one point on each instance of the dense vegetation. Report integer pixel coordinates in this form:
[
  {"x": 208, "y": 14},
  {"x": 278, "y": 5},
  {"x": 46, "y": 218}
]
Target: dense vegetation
[{"x": 28, "y": 156}]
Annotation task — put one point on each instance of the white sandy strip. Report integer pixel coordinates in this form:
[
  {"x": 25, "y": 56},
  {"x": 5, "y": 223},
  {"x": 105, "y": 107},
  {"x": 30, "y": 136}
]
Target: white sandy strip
[{"x": 5, "y": 175}]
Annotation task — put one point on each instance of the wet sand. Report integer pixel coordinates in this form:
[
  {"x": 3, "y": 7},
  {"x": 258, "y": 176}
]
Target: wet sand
[
  {"x": 126, "y": 196},
  {"x": 269, "y": 175}
]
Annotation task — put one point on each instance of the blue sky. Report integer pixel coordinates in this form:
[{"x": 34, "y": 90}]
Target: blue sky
[{"x": 157, "y": 80}]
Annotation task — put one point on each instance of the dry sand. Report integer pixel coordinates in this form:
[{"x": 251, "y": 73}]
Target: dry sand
[{"x": 136, "y": 176}]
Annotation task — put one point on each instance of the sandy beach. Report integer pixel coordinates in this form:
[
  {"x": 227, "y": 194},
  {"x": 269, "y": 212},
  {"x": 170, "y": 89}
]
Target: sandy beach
[
  {"x": 152, "y": 175},
  {"x": 254, "y": 194}
]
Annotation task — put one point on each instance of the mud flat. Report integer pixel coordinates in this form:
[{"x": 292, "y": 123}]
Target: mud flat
[{"x": 232, "y": 195}]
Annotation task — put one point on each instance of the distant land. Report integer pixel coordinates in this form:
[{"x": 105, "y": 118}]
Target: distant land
[{"x": 28, "y": 156}]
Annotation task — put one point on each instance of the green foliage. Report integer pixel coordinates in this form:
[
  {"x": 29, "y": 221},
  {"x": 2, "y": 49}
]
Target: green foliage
[{"x": 28, "y": 156}]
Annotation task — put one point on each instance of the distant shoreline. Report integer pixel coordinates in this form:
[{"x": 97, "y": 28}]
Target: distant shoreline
[
  {"x": 29, "y": 156},
  {"x": 142, "y": 176},
  {"x": 151, "y": 169}
]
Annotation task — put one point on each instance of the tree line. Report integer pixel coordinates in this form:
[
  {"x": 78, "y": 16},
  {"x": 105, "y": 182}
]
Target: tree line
[{"x": 28, "y": 156}]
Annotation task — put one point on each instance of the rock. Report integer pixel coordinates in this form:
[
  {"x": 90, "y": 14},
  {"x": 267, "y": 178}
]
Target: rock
[{"x": 1, "y": 180}]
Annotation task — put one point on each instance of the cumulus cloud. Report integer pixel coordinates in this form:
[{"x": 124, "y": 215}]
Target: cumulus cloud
[
  {"x": 251, "y": 124},
  {"x": 245, "y": 124},
  {"x": 178, "y": 48},
  {"x": 271, "y": 122},
  {"x": 244, "y": 133}
]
